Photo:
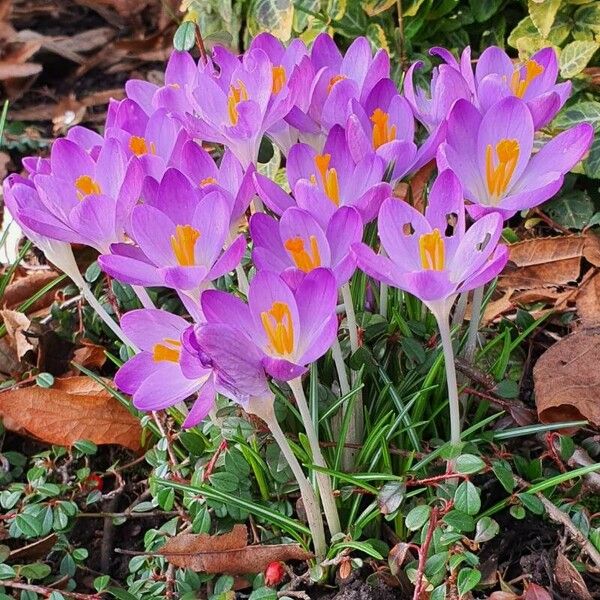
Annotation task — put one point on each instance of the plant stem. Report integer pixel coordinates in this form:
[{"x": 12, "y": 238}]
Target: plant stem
[
  {"x": 323, "y": 480},
  {"x": 444, "y": 328},
  {"x": 340, "y": 366},
  {"x": 242, "y": 279},
  {"x": 471, "y": 344},
  {"x": 143, "y": 296},
  {"x": 263, "y": 408},
  {"x": 383, "y": 293},
  {"x": 356, "y": 424}
]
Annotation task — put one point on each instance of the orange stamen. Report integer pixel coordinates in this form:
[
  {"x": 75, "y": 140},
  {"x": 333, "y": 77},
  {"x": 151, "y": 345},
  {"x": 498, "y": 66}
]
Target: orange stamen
[
  {"x": 302, "y": 259},
  {"x": 519, "y": 84},
  {"x": 86, "y": 186},
  {"x": 183, "y": 244},
  {"x": 164, "y": 351},
  {"x": 335, "y": 79},
  {"x": 329, "y": 178},
  {"x": 498, "y": 175},
  {"x": 431, "y": 249},
  {"x": 139, "y": 146},
  {"x": 277, "y": 323},
  {"x": 237, "y": 94},
  {"x": 278, "y": 79},
  {"x": 382, "y": 132}
]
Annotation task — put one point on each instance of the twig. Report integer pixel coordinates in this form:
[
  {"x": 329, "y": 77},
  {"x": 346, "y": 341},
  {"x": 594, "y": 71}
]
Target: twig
[
  {"x": 556, "y": 515},
  {"x": 46, "y": 591},
  {"x": 163, "y": 433},
  {"x": 128, "y": 514},
  {"x": 435, "y": 479},
  {"x": 423, "y": 550}
]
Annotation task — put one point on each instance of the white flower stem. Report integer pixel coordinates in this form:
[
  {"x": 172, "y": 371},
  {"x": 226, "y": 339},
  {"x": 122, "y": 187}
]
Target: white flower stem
[
  {"x": 263, "y": 408},
  {"x": 383, "y": 293},
  {"x": 444, "y": 327},
  {"x": 61, "y": 254},
  {"x": 323, "y": 480},
  {"x": 340, "y": 366},
  {"x": 356, "y": 423},
  {"x": 476, "y": 305},
  {"x": 143, "y": 296},
  {"x": 242, "y": 279}
]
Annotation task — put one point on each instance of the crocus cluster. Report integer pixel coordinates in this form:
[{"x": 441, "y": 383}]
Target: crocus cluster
[{"x": 163, "y": 212}]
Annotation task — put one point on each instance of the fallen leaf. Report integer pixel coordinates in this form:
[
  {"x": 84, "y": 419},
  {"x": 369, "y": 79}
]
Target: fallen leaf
[
  {"x": 588, "y": 302},
  {"x": 569, "y": 580},
  {"x": 591, "y": 249},
  {"x": 537, "y": 592},
  {"x": 227, "y": 553},
  {"x": 17, "y": 324},
  {"x": 37, "y": 549},
  {"x": 90, "y": 355},
  {"x": 543, "y": 262},
  {"x": 24, "y": 287},
  {"x": 567, "y": 379},
  {"x": 503, "y": 596},
  {"x": 75, "y": 408},
  {"x": 497, "y": 307}
]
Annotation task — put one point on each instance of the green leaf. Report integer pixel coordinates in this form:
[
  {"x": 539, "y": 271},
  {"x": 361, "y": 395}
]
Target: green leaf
[
  {"x": 263, "y": 593},
  {"x": 35, "y": 571},
  {"x": 86, "y": 446},
  {"x": 572, "y": 210},
  {"x": 226, "y": 482},
  {"x": 484, "y": 9},
  {"x": 587, "y": 111},
  {"x": 223, "y": 584},
  {"x": 375, "y": 7},
  {"x": 469, "y": 464},
  {"x": 591, "y": 165},
  {"x": 525, "y": 36},
  {"x": 274, "y": 16},
  {"x": 459, "y": 520},
  {"x": 466, "y": 498},
  {"x": 29, "y": 525},
  {"x": 517, "y": 511},
  {"x": 532, "y": 503},
  {"x": 543, "y": 14},
  {"x": 7, "y": 572},
  {"x": 121, "y": 594},
  {"x": 45, "y": 380},
  {"x": 390, "y": 497},
  {"x": 101, "y": 583},
  {"x": 587, "y": 21},
  {"x": 4, "y": 553},
  {"x": 185, "y": 36},
  {"x": 575, "y": 56},
  {"x": 504, "y": 474},
  {"x": 467, "y": 580},
  {"x": 486, "y": 529},
  {"x": 417, "y": 517}
]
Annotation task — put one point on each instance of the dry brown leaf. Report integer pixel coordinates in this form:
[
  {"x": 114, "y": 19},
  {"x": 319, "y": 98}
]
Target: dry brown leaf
[
  {"x": 569, "y": 580},
  {"x": 24, "y": 287},
  {"x": 75, "y": 408},
  {"x": 591, "y": 249},
  {"x": 567, "y": 379},
  {"x": 90, "y": 355},
  {"x": 588, "y": 302},
  {"x": 537, "y": 592},
  {"x": 498, "y": 307},
  {"x": 544, "y": 262},
  {"x": 35, "y": 550},
  {"x": 227, "y": 553},
  {"x": 17, "y": 324}
]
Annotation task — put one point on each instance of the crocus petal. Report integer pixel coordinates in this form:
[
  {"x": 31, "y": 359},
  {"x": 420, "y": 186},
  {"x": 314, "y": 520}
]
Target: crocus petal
[
  {"x": 281, "y": 369},
  {"x": 377, "y": 266},
  {"x": 271, "y": 194},
  {"x": 165, "y": 387},
  {"x": 96, "y": 217},
  {"x": 130, "y": 270},
  {"x": 230, "y": 259},
  {"x": 133, "y": 373},
  {"x": 202, "y": 405},
  {"x": 149, "y": 326},
  {"x": 220, "y": 307},
  {"x": 184, "y": 278}
]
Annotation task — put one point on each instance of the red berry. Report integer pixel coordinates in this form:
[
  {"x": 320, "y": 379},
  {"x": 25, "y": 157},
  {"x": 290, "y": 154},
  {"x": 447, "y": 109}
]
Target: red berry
[{"x": 274, "y": 573}]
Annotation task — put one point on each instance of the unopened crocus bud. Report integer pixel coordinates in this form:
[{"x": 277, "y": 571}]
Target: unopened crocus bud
[{"x": 274, "y": 573}]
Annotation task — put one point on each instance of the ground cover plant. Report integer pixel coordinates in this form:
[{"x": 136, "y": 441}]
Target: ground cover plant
[{"x": 312, "y": 310}]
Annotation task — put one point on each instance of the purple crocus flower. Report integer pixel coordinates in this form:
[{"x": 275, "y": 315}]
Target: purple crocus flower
[
  {"x": 175, "y": 95},
  {"x": 241, "y": 104},
  {"x": 153, "y": 377},
  {"x": 534, "y": 81},
  {"x": 324, "y": 182},
  {"x": 385, "y": 125},
  {"x": 281, "y": 329},
  {"x": 297, "y": 244},
  {"x": 432, "y": 256},
  {"x": 229, "y": 177},
  {"x": 77, "y": 198},
  {"x": 492, "y": 156},
  {"x": 447, "y": 86},
  {"x": 180, "y": 238},
  {"x": 337, "y": 80},
  {"x": 155, "y": 139},
  {"x": 291, "y": 67}
]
